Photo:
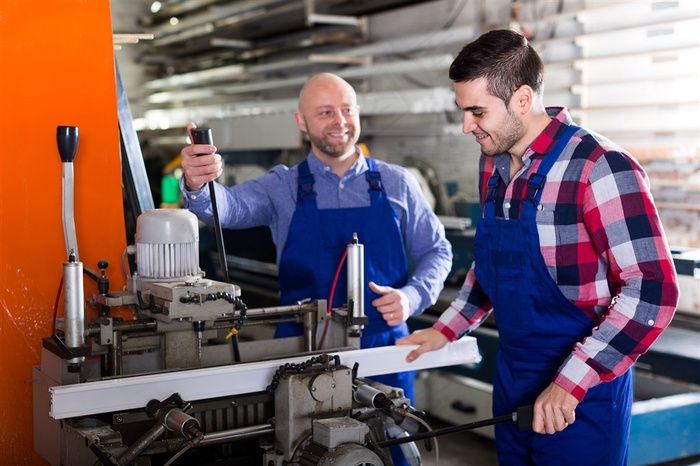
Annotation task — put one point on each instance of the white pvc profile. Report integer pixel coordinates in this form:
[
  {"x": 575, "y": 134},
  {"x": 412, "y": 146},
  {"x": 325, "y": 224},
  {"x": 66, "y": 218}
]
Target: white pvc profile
[{"x": 197, "y": 384}]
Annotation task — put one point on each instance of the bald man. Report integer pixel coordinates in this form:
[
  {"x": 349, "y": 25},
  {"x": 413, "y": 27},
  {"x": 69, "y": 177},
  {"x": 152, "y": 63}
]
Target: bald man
[{"x": 313, "y": 209}]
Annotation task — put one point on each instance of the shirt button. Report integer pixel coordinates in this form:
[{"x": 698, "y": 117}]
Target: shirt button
[
  {"x": 650, "y": 322},
  {"x": 192, "y": 196},
  {"x": 506, "y": 205},
  {"x": 326, "y": 168},
  {"x": 342, "y": 185}
]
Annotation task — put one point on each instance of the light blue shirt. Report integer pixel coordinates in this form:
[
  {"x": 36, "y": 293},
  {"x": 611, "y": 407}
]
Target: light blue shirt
[{"x": 271, "y": 198}]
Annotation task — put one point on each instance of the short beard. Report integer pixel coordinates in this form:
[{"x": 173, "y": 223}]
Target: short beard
[
  {"x": 513, "y": 130},
  {"x": 332, "y": 150}
]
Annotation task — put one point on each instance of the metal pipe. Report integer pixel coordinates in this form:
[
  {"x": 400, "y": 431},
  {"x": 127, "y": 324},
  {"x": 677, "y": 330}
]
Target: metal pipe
[
  {"x": 356, "y": 277},
  {"x": 116, "y": 367},
  {"x": 231, "y": 435},
  {"x": 73, "y": 297},
  {"x": 242, "y": 433},
  {"x": 127, "y": 326},
  {"x": 309, "y": 332}
]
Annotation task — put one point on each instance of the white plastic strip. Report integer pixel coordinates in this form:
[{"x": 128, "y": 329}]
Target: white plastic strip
[{"x": 199, "y": 384}]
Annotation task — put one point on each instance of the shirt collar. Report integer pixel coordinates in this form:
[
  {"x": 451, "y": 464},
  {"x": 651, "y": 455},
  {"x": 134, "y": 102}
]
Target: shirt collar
[
  {"x": 360, "y": 166},
  {"x": 560, "y": 120}
]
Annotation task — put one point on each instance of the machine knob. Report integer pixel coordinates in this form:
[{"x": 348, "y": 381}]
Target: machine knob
[{"x": 67, "y": 140}]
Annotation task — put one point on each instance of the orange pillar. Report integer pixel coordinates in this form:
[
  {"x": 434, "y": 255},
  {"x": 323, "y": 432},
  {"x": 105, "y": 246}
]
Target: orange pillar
[{"x": 56, "y": 68}]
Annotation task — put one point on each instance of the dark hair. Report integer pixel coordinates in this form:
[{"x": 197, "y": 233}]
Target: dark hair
[{"x": 504, "y": 58}]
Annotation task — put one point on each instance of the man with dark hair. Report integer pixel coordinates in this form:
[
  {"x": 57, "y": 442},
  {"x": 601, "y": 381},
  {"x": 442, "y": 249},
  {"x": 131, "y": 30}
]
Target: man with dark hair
[{"x": 569, "y": 255}]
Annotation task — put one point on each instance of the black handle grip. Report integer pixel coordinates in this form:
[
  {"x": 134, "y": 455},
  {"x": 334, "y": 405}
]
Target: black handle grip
[
  {"x": 202, "y": 136},
  {"x": 523, "y": 416},
  {"x": 67, "y": 140}
]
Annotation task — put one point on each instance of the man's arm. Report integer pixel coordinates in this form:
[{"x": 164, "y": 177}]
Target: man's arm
[
  {"x": 622, "y": 221},
  {"x": 467, "y": 312}
]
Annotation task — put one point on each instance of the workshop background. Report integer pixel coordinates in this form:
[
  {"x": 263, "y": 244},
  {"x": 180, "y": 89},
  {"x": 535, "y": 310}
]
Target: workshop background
[{"x": 130, "y": 74}]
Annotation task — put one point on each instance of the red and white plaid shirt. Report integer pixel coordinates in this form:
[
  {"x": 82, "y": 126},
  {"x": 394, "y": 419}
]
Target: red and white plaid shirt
[{"x": 603, "y": 243}]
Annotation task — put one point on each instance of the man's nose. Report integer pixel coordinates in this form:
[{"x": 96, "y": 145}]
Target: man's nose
[
  {"x": 468, "y": 124},
  {"x": 339, "y": 118}
]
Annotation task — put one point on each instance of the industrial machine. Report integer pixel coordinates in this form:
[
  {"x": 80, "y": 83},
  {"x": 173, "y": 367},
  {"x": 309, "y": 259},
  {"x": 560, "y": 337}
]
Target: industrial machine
[{"x": 196, "y": 376}]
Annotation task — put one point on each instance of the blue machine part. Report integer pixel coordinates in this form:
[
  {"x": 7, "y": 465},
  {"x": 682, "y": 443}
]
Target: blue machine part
[{"x": 664, "y": 429}]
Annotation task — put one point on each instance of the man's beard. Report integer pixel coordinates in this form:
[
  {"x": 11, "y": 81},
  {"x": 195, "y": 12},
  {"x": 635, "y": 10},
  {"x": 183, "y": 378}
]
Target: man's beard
[
  {"x": 504, "y": 140},
  {"x": 331, "y": 149}
]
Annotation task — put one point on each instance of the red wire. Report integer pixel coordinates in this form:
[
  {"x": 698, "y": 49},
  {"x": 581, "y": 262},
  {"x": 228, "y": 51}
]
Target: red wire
[{"x": 330, "y": 300}]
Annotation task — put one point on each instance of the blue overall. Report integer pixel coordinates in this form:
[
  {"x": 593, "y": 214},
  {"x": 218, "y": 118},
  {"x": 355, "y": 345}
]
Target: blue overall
[
  {"x": 538, "y": 328},
  {"x": 315, "y": 245}
]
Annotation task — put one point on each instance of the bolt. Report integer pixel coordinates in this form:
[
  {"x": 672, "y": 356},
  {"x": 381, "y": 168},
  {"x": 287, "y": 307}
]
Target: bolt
[{"x": 118, "y": 419}]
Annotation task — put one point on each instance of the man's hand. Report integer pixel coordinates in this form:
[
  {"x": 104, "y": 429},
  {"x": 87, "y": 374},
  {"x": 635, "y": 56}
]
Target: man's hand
[
  {"x": 392, "y": 304},
  {"x": 554, "y": 410},
  {"x": 200, "y": 163},
  {"x": 427, "y": 339}
]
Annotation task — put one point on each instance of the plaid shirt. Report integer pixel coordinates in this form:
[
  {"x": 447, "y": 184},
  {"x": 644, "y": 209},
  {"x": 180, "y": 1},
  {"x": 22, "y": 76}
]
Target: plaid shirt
[{"x": 603, "y": 244}]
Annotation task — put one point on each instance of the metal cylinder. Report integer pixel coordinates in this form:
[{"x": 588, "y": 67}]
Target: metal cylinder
[
  {"x": 178, "y": 421},
  {"x": 370, "y": 396},
  {"x": 74, "y": 311},
  {"x": 356, "y": 277}
]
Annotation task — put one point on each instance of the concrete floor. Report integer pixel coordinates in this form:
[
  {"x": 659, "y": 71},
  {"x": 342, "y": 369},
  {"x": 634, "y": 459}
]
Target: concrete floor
[{"x": 458, "y": 449}]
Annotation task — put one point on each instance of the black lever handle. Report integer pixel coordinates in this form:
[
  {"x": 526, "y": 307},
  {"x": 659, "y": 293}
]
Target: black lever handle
[
  {"x": 67, "y": 140},
  {"x": 203, "y": 136},
  {"x": 522, "y": 416}
]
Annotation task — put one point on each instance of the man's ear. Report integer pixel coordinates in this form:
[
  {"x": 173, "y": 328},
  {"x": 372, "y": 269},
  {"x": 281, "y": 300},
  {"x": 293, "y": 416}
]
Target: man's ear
[
  {"x": 523, "y": 99},
  {"x": 300, "y": 121}
]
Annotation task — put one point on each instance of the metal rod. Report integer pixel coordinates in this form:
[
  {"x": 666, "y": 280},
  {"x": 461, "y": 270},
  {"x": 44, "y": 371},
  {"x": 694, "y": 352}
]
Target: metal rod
[
  {"x": 445, "y": 431},
  {"x": 356, "y": 277},
  {"x": 523, "y": 416},
  {"x": 74, "y": 310}
]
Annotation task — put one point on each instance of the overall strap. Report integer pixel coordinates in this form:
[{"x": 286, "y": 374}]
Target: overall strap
[
  {"x": 306, "y": 182},
  {"x": 374, "y": 178},
  {"x": 536, "y": 181},
  {"x": 492, "y": 195}
]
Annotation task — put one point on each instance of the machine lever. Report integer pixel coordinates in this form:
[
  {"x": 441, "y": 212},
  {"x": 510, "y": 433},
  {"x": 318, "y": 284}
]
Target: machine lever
[
  {"x": 203, "y": 136},
  {"x": 67, "y": 141},
  {"x": 105, "y": 459},
  {"x": 523, "y": 416}
]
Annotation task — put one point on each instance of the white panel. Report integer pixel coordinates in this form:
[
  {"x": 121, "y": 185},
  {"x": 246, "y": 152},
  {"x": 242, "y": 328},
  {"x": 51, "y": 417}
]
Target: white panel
[
  {"x": 658, "y": 65},
  {"x": 198, "y": 384},
  {"x": 636, "y": 93},
  {"x": 643, "y": 39},
  {"x": 636, "y": 12},
  {"x": 654, "y": 119}
]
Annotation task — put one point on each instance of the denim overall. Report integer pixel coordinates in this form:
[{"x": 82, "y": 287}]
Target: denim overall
[
  {"x": 538, "y": 328},
  {"x": 315, "y": 245}
]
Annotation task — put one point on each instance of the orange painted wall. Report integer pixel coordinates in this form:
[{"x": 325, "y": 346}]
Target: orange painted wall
[{"x": 56, "y": 68}]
